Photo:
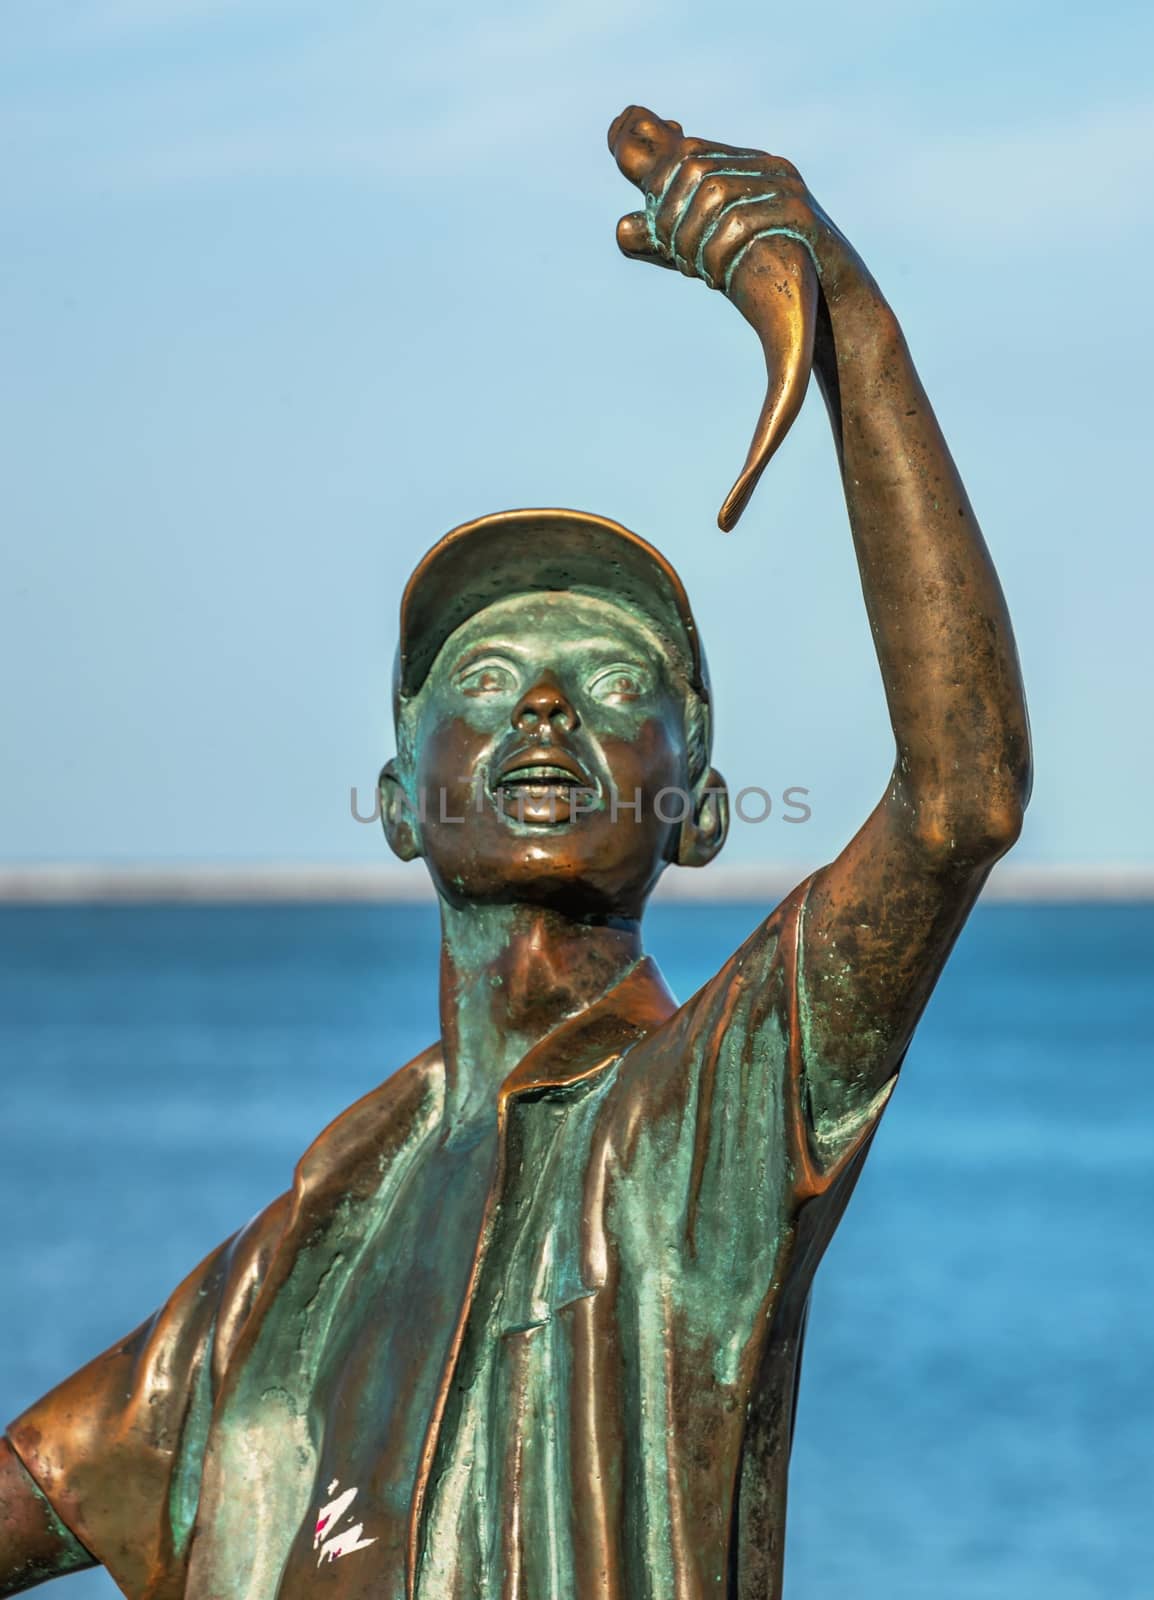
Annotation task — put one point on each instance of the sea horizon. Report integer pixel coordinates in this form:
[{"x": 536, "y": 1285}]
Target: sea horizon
[{"x": 258, "y": 882}]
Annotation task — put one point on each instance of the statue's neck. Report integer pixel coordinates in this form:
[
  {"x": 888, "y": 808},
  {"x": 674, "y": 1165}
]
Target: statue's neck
[{"x": 509, "y": 975}]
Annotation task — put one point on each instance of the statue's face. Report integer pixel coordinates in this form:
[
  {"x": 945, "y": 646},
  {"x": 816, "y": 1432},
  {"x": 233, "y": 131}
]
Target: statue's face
[{"x": 544, "y": 719}]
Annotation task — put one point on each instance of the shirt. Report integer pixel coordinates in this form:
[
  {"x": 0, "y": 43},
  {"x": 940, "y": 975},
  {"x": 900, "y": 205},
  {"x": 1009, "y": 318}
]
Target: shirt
[{"x": 558, "y": 1364}]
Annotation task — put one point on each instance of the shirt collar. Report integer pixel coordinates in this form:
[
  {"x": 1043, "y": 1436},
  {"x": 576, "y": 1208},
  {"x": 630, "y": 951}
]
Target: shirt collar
[{"x": 582, "y": 1044}]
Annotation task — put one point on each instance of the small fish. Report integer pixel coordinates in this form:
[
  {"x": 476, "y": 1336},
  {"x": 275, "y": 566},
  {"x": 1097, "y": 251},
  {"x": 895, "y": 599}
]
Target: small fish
[{"x": 774, "y": 287}]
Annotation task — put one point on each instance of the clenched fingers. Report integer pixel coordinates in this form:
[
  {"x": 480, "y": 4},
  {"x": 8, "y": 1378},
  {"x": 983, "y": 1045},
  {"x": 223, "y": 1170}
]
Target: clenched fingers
[
  {"x": 738, "y": 226},
  {"x": 703, "y": 211}
]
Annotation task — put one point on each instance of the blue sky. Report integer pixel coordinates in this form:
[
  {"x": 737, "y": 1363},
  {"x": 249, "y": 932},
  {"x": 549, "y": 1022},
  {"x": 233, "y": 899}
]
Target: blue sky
[{"x": 288, "y": 290}]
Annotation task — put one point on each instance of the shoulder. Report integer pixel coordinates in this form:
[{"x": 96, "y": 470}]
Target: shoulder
[
  {"x": 757, "y": 984},
  {"x": 718, "y": 1066},
  {"x": 362, "y": 1141}
]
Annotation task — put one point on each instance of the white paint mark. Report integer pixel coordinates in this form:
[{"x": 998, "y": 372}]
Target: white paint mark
[
  {"x": 343, "y": 1544},
  {"x": 348, "y": 1539}
]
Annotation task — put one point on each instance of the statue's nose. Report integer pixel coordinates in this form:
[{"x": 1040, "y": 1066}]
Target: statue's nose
[{"x": 545, "y": 706}]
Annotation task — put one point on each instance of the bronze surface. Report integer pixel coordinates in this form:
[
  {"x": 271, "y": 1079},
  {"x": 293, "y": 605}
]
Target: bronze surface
[{"x": 528, "y": 1322}]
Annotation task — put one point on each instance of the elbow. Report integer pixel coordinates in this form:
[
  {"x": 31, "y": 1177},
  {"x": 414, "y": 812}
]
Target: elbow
[
  {"x": 969, "y": 846},
  {"x": 969, "y": 835},
  {"x": 966, "y": 814},
  {"x": 1008, "y": 790},
  {"x": 1014, "y": 783},
  {"x": 1000, "y": 829}
]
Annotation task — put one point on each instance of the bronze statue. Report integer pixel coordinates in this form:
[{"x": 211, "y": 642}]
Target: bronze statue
[{"x": 528, "y": 1322}]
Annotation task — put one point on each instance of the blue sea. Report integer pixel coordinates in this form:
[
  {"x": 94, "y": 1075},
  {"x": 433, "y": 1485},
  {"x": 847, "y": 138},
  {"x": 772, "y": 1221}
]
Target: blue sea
[{"x": 977, "y": 1409}]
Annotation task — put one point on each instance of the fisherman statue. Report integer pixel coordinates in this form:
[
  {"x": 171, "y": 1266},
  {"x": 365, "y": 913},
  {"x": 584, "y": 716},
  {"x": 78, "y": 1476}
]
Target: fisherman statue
[{"x": 528, "y": 1322}]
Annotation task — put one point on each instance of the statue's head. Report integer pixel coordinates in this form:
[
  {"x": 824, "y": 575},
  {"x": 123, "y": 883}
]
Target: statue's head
[{"x": 553, "y": 718}]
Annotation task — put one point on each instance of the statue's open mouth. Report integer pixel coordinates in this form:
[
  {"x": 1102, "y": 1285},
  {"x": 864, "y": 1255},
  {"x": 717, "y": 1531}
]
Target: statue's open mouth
[{"x": 543, "y": 787}]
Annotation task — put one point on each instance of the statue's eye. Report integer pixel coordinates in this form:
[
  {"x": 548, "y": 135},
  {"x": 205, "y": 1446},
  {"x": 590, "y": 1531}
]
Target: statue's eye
[
  {"x": 618, "y": 684},
  {"x": 487, "y": 677}
]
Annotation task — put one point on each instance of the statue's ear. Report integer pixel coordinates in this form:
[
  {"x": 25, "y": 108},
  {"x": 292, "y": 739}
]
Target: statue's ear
[
  {"x": 397, "y": 816},
  {"x": 703, "y": 831}
]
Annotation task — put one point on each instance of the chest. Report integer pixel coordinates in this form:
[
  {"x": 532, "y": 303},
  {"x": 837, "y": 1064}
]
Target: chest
[{"x": 377, "y": 1381}]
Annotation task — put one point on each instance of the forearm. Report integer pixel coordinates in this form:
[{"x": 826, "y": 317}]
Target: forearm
[
  {"x": 34, "y": 1544},
  {"x": 939, "y": 620}
]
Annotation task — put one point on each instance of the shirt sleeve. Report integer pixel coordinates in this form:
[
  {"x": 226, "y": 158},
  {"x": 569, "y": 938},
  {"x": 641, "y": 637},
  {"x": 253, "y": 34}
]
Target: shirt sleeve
[
  {"x": 723, "y": 1124},
  {"x": 117, "y": 1448},
  {"x": 850, "y": 1105}
]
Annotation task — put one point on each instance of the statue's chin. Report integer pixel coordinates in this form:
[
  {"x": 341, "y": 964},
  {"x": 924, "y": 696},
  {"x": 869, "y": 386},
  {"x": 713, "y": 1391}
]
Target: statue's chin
[{"x": 557, "y": 879}]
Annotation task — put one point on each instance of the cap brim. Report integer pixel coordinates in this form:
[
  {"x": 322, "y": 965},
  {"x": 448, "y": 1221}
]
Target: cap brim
[{"x": 515, "y": 552}]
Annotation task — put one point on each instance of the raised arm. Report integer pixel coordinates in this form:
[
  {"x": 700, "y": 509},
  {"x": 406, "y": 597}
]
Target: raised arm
[
  {"x": 881, "y": 919},
  {"x": 34, "y": 1544}
]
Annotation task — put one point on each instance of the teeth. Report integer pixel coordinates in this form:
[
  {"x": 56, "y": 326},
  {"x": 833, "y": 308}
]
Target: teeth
[
  {"x": 539, "y": 791},
  {"x": 538, "y": 777}
]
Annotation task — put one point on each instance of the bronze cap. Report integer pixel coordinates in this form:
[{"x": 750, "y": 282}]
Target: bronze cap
[{"x": 518, "y": 552}]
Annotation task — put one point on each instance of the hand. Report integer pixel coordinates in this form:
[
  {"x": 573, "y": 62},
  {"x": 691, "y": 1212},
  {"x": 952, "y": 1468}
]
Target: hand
[
  {"x": 706, "y": 202},
  {"x": 743, "y": 222}
]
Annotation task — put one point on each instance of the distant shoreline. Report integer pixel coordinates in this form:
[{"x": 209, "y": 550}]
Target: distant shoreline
[{"x": 94, "y": 884}]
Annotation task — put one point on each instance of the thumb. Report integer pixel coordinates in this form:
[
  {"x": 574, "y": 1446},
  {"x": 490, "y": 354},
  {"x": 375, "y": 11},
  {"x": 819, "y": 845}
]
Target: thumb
[{"x": 634, "y": 240}]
